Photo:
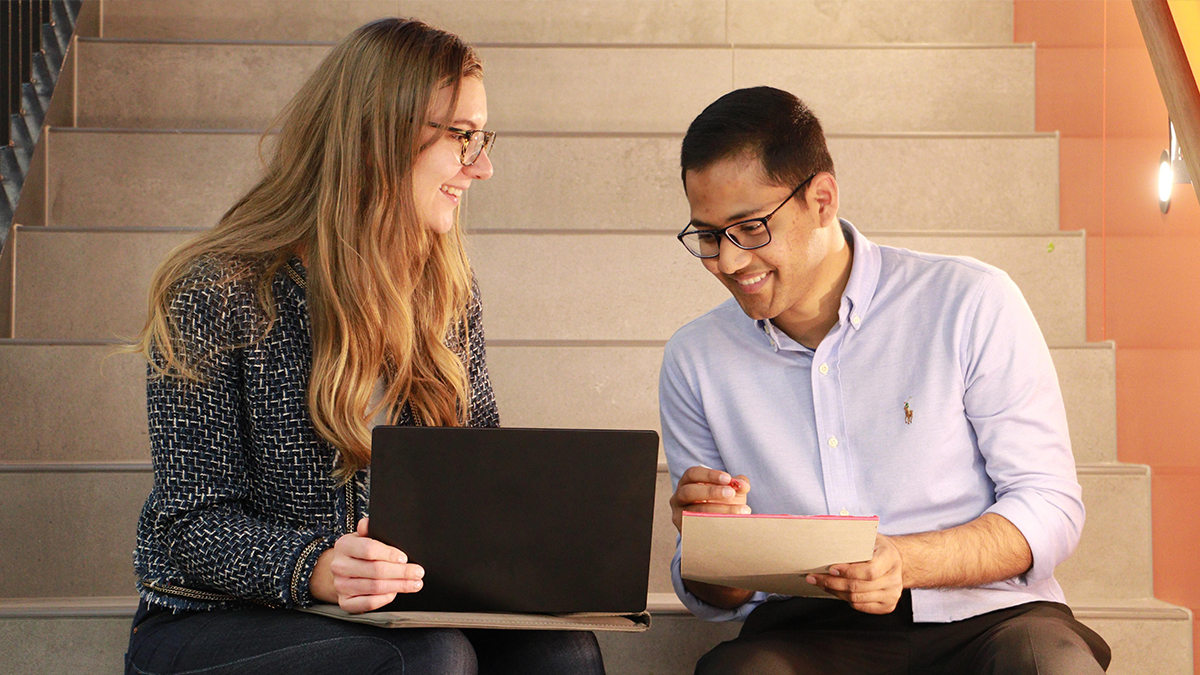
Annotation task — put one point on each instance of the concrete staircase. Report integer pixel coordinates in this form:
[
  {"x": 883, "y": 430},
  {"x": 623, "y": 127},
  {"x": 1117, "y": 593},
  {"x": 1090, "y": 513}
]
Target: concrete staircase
[{"x": 930, "y": 111}]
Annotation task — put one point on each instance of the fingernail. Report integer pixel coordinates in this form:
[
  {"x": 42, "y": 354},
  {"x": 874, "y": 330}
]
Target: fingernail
[
  {"x": 420, "y": 572},
  {"x": 811, "y": 579},
  {"x": 745, "y": 510},
  {"x": 835, "y": 573},
  {"x": 727, "y": 492},
  {"x": 418, "y": 584}
]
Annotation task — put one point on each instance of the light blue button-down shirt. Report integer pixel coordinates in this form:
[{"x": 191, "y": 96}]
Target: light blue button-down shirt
[{"x": 931, "y": 402}]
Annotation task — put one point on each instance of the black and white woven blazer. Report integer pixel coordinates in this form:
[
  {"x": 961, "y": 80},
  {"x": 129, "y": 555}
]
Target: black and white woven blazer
[{"x": 244, "y": 499}]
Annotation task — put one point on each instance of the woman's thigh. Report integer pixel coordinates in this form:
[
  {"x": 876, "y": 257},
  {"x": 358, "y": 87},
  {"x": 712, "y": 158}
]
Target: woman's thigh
[
  {"x": 295, "y": 643},
  {"x": 536, "y": 652}
]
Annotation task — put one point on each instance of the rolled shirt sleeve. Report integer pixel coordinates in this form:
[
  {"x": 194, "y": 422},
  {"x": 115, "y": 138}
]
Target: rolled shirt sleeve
[{"x": 1015, "y": 406}]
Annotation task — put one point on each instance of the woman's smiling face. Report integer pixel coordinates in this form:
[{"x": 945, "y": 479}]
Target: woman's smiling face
[{"x": 439, "y": 178}]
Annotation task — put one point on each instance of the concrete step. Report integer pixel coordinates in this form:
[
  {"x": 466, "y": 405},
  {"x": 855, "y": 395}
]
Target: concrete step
[
  {"x": 595, "y": 385},
  {"x": 972, "y": 182},
  {"x": 72, "y": 403},
  {"x": 548, "y": 285},
  {"x": 69, "y": 529},
  {"x": 89, "y": 635},
  {"x": 57, "y": 549},
  {"x": 136, "y": 84},
  {"x": 607, "y": 386},
  {"x": 577, "y": 21},
  {"x": 641, "y": 286}
]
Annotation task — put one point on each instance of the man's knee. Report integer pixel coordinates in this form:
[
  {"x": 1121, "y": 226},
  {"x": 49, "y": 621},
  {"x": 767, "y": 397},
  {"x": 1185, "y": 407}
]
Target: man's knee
[
  {"x": 1036, "y": 645},
  {"x": 755, "y": 657}
]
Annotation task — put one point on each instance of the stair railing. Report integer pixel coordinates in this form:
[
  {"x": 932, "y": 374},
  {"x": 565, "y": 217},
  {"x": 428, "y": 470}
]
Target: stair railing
[
  {"x": 34, "y": 36},
  {"x": 1175, "y": 78}
]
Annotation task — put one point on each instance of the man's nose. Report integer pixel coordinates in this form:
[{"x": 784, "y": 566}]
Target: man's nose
[{"x": 730, "y": 258}]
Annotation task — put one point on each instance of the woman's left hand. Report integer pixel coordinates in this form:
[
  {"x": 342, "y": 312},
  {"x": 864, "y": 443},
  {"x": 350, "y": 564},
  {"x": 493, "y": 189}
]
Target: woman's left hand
[{"x": 361, "y": 574}]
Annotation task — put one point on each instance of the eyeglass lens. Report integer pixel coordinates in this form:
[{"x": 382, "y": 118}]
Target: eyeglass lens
[
  {"x": 707, "y": 244},
  {"x": 475, "y": 145}
]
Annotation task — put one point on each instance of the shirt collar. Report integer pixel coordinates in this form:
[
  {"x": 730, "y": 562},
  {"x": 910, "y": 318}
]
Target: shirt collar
[
  {"x": 856, "y": 298},
  {"x": 864, "y": 277}
]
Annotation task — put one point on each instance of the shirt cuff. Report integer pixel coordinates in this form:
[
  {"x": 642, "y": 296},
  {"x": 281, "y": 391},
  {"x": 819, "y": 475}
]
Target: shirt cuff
[
  {"x": 302, "y": 570},
  {"x": 1049, "y": 545},
  {"x": 704, "y": 610}
]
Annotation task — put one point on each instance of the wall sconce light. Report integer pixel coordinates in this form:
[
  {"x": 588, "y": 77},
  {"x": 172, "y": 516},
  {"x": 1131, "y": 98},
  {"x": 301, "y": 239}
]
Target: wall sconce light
[{"x": 1172, "y": 170}]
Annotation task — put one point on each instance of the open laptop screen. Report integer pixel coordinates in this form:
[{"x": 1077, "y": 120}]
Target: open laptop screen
[{"x": 517, "y": 520}]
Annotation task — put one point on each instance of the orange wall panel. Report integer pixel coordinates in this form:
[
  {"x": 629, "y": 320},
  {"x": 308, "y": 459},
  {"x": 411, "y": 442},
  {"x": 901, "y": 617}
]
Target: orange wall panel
[
  {"x": 1143, "y": 266},
  {"x": 1158, "y": 396}
]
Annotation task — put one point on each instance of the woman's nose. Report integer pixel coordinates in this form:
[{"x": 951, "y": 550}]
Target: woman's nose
[{"x": 481, "y": 169}]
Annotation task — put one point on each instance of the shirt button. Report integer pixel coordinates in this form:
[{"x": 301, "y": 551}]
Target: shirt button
[
  {"x": 856, "y": 319},
  {"x": 832, "y": 442},
  {"x": 845, "y": 512},
  {"x": 824, "y": 368}
]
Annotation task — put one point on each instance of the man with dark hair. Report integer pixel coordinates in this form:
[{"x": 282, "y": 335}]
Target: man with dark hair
[{"x": 849, "y": 378}]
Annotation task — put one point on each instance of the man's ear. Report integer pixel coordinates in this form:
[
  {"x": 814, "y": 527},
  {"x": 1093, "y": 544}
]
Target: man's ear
[{"x": 823, "y": 195}]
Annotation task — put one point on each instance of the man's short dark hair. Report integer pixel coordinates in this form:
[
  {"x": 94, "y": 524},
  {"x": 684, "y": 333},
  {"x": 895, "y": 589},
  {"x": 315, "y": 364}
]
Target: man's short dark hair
[{"x": 763, "y": 122}]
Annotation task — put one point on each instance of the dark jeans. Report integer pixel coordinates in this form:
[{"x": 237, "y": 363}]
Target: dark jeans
[
  {"x": 812, "y": 636},
  {"x": 295, "y": 643}
]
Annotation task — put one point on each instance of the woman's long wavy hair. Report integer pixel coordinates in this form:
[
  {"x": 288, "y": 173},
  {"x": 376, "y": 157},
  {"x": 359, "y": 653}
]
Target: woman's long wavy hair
[{"x": 384, "y": 292}]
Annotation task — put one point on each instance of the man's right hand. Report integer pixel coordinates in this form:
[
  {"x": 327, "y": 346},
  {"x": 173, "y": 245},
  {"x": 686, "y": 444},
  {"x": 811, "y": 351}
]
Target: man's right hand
[
  {"x": 708, "y": 491},
  {"x": 711, "y": 491}
]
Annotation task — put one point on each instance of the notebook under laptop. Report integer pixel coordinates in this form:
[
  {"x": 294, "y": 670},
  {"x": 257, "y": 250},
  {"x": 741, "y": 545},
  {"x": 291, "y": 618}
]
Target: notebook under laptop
[{"x": 517, "y": 520}]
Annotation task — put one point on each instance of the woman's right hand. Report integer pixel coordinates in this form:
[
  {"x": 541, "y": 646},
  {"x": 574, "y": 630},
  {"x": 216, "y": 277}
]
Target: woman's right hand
[{"x": 361, "y": 574}]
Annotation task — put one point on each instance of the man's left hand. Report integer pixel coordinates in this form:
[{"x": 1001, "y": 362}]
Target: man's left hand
[{"x": 874, "y": 586}]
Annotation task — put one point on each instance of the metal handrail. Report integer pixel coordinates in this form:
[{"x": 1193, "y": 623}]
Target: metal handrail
[
  {"x": 1175, "y": 78},
  {"x": 34, "y": 35}
]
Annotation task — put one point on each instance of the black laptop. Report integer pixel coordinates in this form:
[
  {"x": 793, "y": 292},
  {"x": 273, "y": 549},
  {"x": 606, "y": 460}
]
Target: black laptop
[{"x": 517, "y": 520}]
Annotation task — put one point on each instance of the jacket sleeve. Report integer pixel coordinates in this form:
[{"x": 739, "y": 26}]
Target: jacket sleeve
[{"x": 202, "y": 475}]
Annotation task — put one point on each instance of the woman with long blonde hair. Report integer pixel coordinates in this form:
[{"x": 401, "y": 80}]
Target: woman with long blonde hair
[{"x": 335, "y": 295}]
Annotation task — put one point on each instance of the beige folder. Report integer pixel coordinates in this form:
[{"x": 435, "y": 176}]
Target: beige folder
[{"x": 772, "y": 553}]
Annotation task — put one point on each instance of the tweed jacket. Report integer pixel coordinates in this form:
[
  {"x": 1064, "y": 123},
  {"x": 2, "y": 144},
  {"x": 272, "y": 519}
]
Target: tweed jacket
[{"x": 244, "y": 498}]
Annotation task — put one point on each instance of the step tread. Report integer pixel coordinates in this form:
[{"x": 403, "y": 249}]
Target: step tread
[
  {"x": 622, "y": 88},
  {"x": 7, "y": 466},
  {"x": 655, "y": 21},
  {"x": 664, "y": 603}
]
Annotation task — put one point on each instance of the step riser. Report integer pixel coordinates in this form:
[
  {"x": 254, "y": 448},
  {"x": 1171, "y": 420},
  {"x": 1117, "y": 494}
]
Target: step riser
[
  {"x": 1114, "y": 558},
  {"x": 189, "y": 180},
  {"x": 99, "y": 417},
  {"x": 1149, "y": 647},
  {"x": 603, "y": 387},
  {"x": 69, "y": 534},
  {"x": 581, "y": 21},
  {"x": 64, "y": 646},
  {"x": 601, "y": 289},
  {"x": 670, "y": 647},
  {"x": 148, "y": 85},
  {"x": 58, "y": 551}
]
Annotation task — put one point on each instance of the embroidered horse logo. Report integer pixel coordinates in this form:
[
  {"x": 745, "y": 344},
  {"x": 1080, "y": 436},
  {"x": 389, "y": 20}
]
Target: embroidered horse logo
[{"x": 907, "y": 413}]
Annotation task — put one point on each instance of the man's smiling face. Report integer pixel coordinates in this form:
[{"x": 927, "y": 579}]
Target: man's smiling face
[{"x": 782, "y": 277}]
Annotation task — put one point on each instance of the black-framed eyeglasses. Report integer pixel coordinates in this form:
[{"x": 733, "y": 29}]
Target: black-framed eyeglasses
[
  {"x": 746, "y": 234},
  {"x": 474, "y": 141}
]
